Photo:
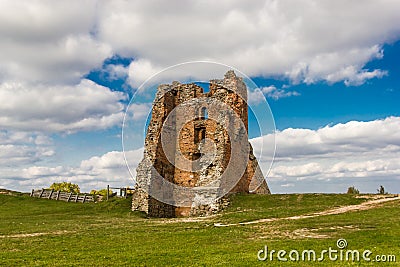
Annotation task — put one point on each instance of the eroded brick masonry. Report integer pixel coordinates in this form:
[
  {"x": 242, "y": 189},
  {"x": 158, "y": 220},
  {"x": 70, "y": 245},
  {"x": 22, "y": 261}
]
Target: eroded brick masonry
[{"x": 191, "y": 142}]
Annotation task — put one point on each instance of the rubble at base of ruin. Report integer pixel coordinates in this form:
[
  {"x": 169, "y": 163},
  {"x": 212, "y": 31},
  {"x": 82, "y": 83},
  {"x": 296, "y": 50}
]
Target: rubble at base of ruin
[{"x": 197, "y": 140}]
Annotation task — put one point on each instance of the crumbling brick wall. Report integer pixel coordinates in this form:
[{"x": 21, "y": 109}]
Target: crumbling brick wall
[{"x": 179, "y": 158}]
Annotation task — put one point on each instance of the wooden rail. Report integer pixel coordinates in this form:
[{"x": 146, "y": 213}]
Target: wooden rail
[
  {"x": 64, "y": 196},
  {"x": 123, "y": 191}
]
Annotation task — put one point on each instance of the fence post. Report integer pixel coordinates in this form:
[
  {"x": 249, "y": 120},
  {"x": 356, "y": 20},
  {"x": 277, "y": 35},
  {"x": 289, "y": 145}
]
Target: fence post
[
  {"x": 69, "y": 197},
  {"x": 33, "y": 191},
  {"x": 41, "y": 193},
  {"x": 51, "y": 193},
  {"x": 108, "y": 191},
  {"x": 58, "y": 194},
  {"x": 84, "y": 198}
]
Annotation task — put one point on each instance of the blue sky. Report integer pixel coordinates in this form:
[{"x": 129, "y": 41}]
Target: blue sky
[
  {"x": 329, "y": 71},
  {"x": 321, "y": 104}
]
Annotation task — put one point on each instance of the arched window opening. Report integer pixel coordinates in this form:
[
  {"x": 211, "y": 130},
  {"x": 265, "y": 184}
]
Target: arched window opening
[
  {"x": 204, "y": 113},
  {"x": 202, "y": 135},
  {"x": 199, "y": 134}
]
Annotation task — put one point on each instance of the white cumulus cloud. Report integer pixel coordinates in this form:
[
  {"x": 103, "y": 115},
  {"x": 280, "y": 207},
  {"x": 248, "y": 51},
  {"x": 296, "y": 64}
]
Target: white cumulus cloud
[
  {"x": 21, "y": 148},
  {"x": 307, "y": 41},
  {"x": 49, "y": 41},
  {"x": 94, "y": 173},
  {"x": 353, "y": 149},
  {"x": 86, "y": 106}
]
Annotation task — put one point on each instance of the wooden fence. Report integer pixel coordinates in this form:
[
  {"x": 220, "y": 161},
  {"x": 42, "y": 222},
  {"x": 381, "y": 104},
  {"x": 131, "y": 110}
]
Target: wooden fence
[
  {"x": 123, "y": 191},
  {"x": 64, "y": 196}
]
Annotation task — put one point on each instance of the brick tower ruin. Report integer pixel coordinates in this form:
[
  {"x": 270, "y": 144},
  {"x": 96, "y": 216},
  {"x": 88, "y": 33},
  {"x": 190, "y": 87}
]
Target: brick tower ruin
[{"x": 185, "y": 122}]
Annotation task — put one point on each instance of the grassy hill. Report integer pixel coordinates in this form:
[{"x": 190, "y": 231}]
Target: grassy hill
[{"x": 37, "y": 232}]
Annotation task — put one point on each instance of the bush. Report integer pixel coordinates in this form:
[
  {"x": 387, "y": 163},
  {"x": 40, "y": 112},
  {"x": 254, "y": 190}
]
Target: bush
[
  {"x": 130, "y": 192},
  {"x": 102, "y": 192},
  {"x": 66, "y": 187},
  {"x": 353, "y": 190},
  {"x": 381, "y": 190}
]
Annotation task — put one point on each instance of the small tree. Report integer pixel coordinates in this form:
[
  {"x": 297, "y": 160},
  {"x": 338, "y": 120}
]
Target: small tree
[
  {"x": 353, "y": 190},
  {"x": 66, "y": 187},
  {"x": 381, "y": 190},
  {"x": 102, "y": 192},
  {"x": 130, "y": 192}
]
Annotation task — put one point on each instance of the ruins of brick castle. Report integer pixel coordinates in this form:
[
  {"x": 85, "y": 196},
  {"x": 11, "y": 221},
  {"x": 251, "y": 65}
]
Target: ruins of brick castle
[{"x": 197, "y": 150}]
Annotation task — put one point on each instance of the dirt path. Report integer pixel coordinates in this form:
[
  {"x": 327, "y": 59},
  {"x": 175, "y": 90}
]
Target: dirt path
[
  {"x": 363, "y": 206},
  {"x": 36, "y": 234}
]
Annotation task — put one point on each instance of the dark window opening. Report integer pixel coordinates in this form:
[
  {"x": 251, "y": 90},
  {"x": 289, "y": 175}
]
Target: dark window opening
[
  {"x": 202, "y": 134},
  {"x": 199, "y": 134},
  {"x": 204, "y": 113},
  {"x": 196, "y": 156}
]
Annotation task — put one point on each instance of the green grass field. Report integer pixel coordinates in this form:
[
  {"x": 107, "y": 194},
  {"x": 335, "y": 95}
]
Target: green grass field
[{"x": 38, "y": 232}]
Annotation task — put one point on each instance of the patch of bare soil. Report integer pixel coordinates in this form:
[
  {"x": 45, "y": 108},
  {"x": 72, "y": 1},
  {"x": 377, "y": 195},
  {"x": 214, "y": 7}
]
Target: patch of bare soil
[
  {"x": 36, "y": 234},
  {"x": 363, "y": 206},
  {"x": 376, "y": 196},
  {"x": 9, "y": 192},
  {"x": 274, "y": 231},
  {"x": 314, "y": 232},
  {"x": 183, "y": 219}
]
